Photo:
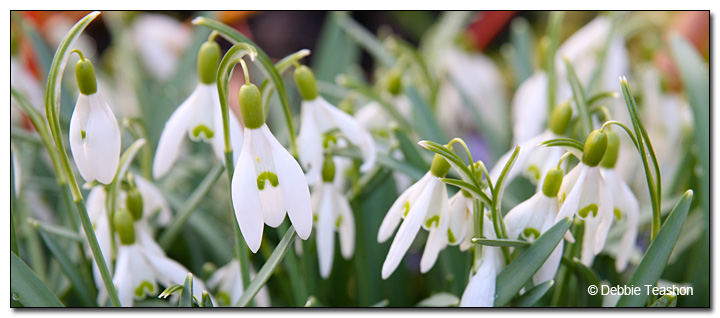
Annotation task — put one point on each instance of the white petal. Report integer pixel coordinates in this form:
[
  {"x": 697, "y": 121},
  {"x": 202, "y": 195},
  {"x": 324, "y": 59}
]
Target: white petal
[
  {"x": 142, "y": 273},
  {"x": 606, "y": 211},
  {"x": 572, "y": 201},
  {"x": 246, "y": 198},
  {"x": 527, "y": 149},
  {"x": 293, "y": 185},
  {"x": 346, "y": 231},
  {"x": 408, "y": 230},
  {"x": 325, "y": 230},
  {"x": 437, "y": 240},
  {"x": 529, "y": 107},
  {"x": 102, "y": 142},
  {"x": 78, "y": 123},
  {"x": 395, "y": 214},
  {"x": 353, "y": 131},
  {"x": 172, "y": 137},
  {"x": 626, "y": 202},
  {"x": 310, "y": 144},
  {"x": 549, "y": 268},
  {"x": 153, "y": 201},
  {"x": 123, "y": 277},
  {"x": 96, "y": 204},
  {"x": 518, "y": 218},
  {"x": 480, "y": 291},
  {"x": 460, "y": 213},
  {"x": 171, "y": 272},
  {"x": 589, "y": 237}
]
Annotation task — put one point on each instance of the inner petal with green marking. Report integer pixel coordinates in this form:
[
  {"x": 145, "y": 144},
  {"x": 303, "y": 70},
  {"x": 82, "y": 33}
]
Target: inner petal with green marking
[
  {"x": 144, "y": 285},
  {"x": 618, "y": 214},
  {"x": 584, "y": 212},
  {"x": 533, "y": 173},
  {"x": 204, "y": 130},
  {"x": 433, "y": 221},
  {"x": 451, "y": 237},
  {"x": 267, "y": 176},
  {"x": 531, "y": 232},
  {"x": 406, "y": 208}
]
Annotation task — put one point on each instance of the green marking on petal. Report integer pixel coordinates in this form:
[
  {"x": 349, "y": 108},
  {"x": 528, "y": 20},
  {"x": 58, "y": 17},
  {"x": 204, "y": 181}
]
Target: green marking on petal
[
  {"x": 434, "y": 219},
  {"x": 223, "y": 298},
  {"x": 451, "y": 237},
  {"x": 315, "y": 217},
  {"x": 202, "y": 129},
  {"x": 338, "y": 221},
  {"x": 267, "y": 176},
  {"x": 533, "y": 172},
  {"x": 618, "y": 214},
  {"x": 406, "y": 208},
  {"x": 144, "y": 285},
  {"x": 531, "y": 231},
  {"x": 584, "y": 212},
  {"x": 82, "y": 134}
]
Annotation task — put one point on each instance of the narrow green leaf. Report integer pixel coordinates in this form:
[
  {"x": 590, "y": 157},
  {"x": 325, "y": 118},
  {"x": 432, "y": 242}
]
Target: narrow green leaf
[
  {"x": 206, "y": 300},
  {"x": 364, "y": 38},
  {"x": 80, "y": 283},
  {"x": 27, "y": 288},
  {"x": 523, "y": 42},
  {"x": 452, "y": 158},
  {"x": 470, "y": 188},
  {"x": 655, "y": 259},
  {"x": 666, "y": 301},
  {"x": 264, "y": 274},
  {"x": 563, "y": 142},
  {"x": 529, "y": 298},
  {"x": 523, "y": 267},
  {"x": 425, "y": 123},
  {"x": 500, "y": 242},
  {"x": 579, "y": 97},
  {"x": 335, "y": 52},
  {"x": 187, "y": 292},
  {"x": 599, "y": 98},
  {"x": 170, "y": 290},
  {"x": 410, "y": 150},
  {"x": 440, "y": 300}
]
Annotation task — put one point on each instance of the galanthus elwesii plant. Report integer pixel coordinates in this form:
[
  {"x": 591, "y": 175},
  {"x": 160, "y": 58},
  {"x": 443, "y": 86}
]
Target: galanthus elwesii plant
[{"x": 539, "y": 178}]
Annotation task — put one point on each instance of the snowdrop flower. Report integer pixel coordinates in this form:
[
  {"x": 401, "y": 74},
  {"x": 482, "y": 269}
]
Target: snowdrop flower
[
  {"x": 141, "y": 264},
  {"x": 319, "y": 118},
  {"x": 227, "y": 280},
  {"x": 461, "y": 227},
  {"x": 480, "y": 291},
  {"x": 332, "y": 213},
  {"x": 161, "y": 41},
  {"x": 267, "y": 181},
  {"x": 374, "y": 117},
  {"x": 94, "y": 131},
  {"x": 423, "y": 204},
  {"x": 626, "y": 206},
  {"x": 581, "y": 49},
  {"x": 585, "y": 193},
  {"x": 199, "y": 117},
  {"x": 536, "y": 215},
  {"x": 533, "y": 160}
]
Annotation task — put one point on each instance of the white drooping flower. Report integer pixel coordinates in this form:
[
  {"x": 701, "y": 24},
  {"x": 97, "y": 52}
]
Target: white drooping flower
[
  {"x": 461, "y": 228},
  {"x": 332, "y": 213},
  {"x": 141, "y": 264},
  {"x": 161, "y": 41},
  {"x": 199, "y": 117},
  {"x": 529, "y": 107},
  {"x": 267, "y": 181},
  {"x": 319, "y": 118},
  {"x": 585, "y": 193},
  {"x": 228, "y": 283},
  {"x": 94, "y": 132},
  {"x": 425, "y": 204},
  {"x": 533, "y": 217},
  {"x": 480, "y": 291}
]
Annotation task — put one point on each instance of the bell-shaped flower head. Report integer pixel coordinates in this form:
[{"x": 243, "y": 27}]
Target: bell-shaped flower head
[
  {"x": 267, "y": 181},
  {"x": 199, "y": 116},
  {"x": 480, "y": 291},
  {"x": 425, "y": 204},
  {"x": 94, "y": 132},
  {"x": 319, "y": 118}
]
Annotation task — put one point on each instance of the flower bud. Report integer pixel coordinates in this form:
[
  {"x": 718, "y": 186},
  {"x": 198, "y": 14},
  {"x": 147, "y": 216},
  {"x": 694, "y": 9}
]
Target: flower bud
[
  {"x": 124, "y": 226},
  {"x": 611, "y": 154},
  {"x": 251, "y": 108},
  {"x": 394, "y": 82},
  {"x": 85, "y": 75},
  {"x": 595, "y": 146},
  {"x": 553, "y": 180},
  {"x": 305, "y": 81},
  {"x": 328, "y": 170},
  {"x": 208, "y": 60},
  {"x": 560, "y": 118},
  {"x": 439, "y": 166},
  {"x": 134, "y": 203}
]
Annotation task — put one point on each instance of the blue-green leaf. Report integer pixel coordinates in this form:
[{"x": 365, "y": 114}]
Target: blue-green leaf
[
  {"x": 27, "y": 288},
  {"x": 533, "y": 295},
  {"x": 500, "y": 242}
]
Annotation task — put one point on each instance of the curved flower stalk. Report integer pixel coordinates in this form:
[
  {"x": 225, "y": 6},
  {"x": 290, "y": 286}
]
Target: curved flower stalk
[
  {"x": 534, "y": 216},
  {"x": 227, "y": 281},
  {"x": 332, "y": 213},
  {"x": 320, "y": 118},
  {"x": 626, "y": 207},
  {"x": 94, "y": 132},
  {"x": 161, "y": 41},
  {"x": 425, "y": 204},
  {"x": 267, "y": 181},
  {"x": 199, "y": 116},
  {"x": 585, "y": 193},
  {"x": 480, "y": 291},
  {"x": 141, "y": 263},
  {"x": 533, "y": 160}
]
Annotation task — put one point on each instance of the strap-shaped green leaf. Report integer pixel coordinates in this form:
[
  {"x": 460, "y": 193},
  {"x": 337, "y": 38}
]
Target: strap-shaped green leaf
[
  {"x": 500, "y": 242},
  {"x": 187, "y": 292},
  {"x": 27, "y": 288},
  {"x": 81, "y": 285},
  {"x": 533, "y": 295},
  {"x": 513, "y": 277},
  {"x": 653, "y": 263}
]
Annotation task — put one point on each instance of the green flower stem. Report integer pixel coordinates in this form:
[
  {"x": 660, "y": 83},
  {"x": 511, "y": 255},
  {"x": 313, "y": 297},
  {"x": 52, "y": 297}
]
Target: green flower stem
[
  {"x": 580, "y": 99},
  {"x": 478, "y": 211},
  {"x": 52, "y": 107},
  {"x": 190, "y": 205},
  {"x": 267, "y": 66},
  {"x": 498, "y": 222},
  {"x": 553, "y": 34},
  {"x": 298, "y": 285}
]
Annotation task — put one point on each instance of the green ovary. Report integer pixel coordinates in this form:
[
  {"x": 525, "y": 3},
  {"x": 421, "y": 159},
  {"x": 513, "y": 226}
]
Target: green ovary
[
  {"x": 202, "y": 129},
  {"x": 267, "y": 176},
  {"x": 140, "y": 290},
  {"x": 584, "y": 212}
]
